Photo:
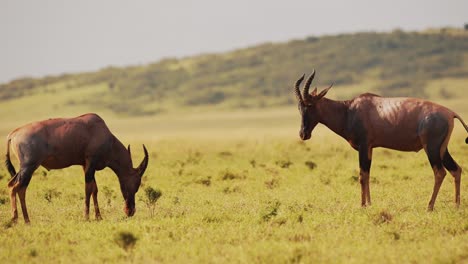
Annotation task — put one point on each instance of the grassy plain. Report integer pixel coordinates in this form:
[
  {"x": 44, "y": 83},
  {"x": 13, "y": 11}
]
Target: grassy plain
[{"x": 240, "y": 187}]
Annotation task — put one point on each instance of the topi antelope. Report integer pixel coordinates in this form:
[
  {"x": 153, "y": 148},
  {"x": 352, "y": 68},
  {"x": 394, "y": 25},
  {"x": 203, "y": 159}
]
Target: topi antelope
[
  {"x": 369, "y": 121},
  {"x": 62, "y": 142}
]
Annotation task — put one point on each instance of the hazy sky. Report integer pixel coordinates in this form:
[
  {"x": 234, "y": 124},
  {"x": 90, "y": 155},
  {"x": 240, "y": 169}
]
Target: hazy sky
[{"x": 42, "y": 37}]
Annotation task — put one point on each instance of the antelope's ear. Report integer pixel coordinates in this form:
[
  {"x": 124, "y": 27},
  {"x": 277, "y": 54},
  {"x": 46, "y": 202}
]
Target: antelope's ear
[
  {"x": 324, "y": 92},
  {"x": 314, "y": 92}
]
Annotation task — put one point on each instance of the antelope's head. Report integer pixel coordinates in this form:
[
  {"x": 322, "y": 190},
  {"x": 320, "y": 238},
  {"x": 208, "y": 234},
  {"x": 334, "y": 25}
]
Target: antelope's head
[
  {"x": 307, "y": 105},
  {"x": 130, "y": 184}
]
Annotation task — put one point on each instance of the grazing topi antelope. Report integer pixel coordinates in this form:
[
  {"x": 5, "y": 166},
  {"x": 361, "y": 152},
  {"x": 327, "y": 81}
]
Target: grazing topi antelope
[
  {"x": 369, "y": 121},
  {"x": 59, "y": 143}
]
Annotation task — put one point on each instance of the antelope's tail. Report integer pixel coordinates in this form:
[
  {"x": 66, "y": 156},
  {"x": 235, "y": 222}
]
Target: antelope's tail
[
  {"x": 8, "y": 164},
  {"x": 464, "y": 124}
]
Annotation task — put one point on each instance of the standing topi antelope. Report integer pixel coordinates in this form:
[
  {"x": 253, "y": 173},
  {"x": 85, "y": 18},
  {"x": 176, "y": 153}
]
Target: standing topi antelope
[
  {"x": 369, "y": 121},
  {"x": 59, "y": 143}
]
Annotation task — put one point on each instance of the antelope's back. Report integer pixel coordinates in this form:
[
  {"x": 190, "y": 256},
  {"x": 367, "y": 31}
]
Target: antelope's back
[
  {"x": 62, "y": 142},
  {"x": 393, "y": 122}
]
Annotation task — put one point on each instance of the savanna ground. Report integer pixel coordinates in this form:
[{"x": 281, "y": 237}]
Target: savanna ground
[{"x": 240, "y": 187}]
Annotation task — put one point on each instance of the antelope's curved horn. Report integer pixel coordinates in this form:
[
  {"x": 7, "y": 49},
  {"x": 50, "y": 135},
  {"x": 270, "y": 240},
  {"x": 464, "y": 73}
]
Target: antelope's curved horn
[
  {"x": 307, "y": 84},
  {"x": 296, "y": 89},
  {"x": 144, "y": 163}
]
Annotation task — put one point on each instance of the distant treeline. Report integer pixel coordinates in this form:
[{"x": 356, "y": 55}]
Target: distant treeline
[{"x": 400, "y": 62}]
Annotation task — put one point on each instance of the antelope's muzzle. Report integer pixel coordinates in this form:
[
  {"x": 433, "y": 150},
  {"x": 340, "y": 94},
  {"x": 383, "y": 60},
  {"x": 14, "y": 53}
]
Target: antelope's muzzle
[{"x": 304, "y": 135}]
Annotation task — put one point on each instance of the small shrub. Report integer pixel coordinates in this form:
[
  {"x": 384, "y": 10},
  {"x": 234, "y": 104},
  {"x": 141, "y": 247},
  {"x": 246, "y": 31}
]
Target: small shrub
[
  {"x": 108, "y": 194},
  {"x": 300, "y": 238},
  {"x": 354, "y": 178},
  {"x": 234, "y": 189},
  {"x": 204, "y": 181},
  {"x": 280, "y": 221},
  {"x": 194, "y": 158},
  {"x": 383, "y": 217},
  {"x": 284, "y": 163},
  {"x": 271, "y": 184},
  {"x": 310, "y": 164},
  {"x": 271, "y": 211},
  {"x": 225, "y": 154},
  {"x": 297, "y": 256},
  {"x": 8, "y": 224},
  {"x": 51, "y": 194},
  {"x": 227, "y": 175},
  {"x": 152, "y": 196},
  {"x": 395, "y": 235},
  {"x": 325, "y": 181},
  {"x": 125, "y": 240},
  {"x": 300, "y": 218},
  {"x": 33, "y": 253},
  {"x": 211, "y": 219},
  {"x": 180, "y": 172}
]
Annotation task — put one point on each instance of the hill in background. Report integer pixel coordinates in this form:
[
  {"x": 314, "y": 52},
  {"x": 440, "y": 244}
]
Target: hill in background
[{"x": 393, "y": 64}]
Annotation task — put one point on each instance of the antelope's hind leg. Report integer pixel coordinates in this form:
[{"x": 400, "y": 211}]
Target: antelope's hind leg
[
  {"x": 456, "y": 171},
  {"x": 435, "y": 132},
  {"x": 13, "y": 190},
  {"x": 18, "y": 185}
]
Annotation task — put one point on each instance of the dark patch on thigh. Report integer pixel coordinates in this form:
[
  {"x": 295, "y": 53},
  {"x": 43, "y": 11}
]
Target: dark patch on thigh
[
  {"x": 364, "y": 161},
  {"x": 24, "y": 176},
  {"x": 357, "y": 136},
  {"x": 434, "y": 128},
  {"x": 355, "y": 130},
  {"x": 448, "y": 162},
  {"x": 89, "y": 175}
]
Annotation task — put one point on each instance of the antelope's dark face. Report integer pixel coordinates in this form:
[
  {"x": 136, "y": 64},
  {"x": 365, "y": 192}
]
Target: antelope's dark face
[
  {"x": 130, "y": 184},
  {"x": 129, "y": 189},
  {"x": 309, "y": 120},
  {"x": 307, "y": 105}
]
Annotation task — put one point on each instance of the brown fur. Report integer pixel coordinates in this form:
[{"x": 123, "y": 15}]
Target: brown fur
[
  {"x": 370, "y": 121},
  {"x": 62, "y": 142}
]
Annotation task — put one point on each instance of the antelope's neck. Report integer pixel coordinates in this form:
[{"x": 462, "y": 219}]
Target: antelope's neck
[
  {"x": 120, "y": 161},
  {"x": 334, "y": 115}
]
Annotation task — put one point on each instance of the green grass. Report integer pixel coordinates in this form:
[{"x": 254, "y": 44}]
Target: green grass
[
  {"x": 239, "y": 186},
  {"x": 248, "y": 200}
]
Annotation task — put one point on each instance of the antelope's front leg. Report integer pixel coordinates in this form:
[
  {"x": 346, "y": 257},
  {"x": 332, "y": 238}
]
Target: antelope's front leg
[
  {"x": 89, "y": 188},
  {"x": 88, "y": 191},
  {"x": 94, "y": 192},
  {"x": 365, "y": 160}
]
